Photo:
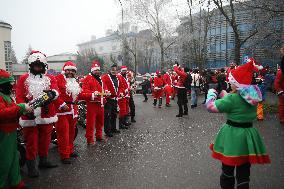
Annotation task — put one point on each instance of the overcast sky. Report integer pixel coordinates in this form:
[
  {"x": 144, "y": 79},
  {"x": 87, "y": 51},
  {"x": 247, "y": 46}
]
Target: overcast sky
[{"x": 56, "y": 26}]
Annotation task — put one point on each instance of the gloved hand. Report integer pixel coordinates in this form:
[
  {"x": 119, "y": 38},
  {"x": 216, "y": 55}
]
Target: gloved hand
[
  {"x": 51, "y": 94},
  {"x": 212, "y": 94}
]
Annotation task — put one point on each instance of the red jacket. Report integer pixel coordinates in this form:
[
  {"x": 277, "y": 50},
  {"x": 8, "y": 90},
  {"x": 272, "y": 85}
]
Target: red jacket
[
  {"x": 158, "y": 82},
  {"x": 115, "y": 92},
  {"x": 182, "y": 76},
  {"x": 125, "y": 85},
  {"x": 168, "y": 79},
  {"x": 68, "y": 95},
  {"x": 9, "y": 116},
  {"x": 279, "y": 82},
  {"x": 90, "y": 86},
  {"x": 30, "y": 86}
]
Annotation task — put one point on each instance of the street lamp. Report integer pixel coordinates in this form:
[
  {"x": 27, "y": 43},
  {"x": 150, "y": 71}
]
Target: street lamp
[{"x": 121, "y": 17}]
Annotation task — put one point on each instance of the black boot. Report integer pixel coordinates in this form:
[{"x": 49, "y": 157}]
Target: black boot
[
  {"x": 155, "y": 102},
  {"x": 185, "y": 109},
  {"x": 66, "y": 161},
  {"x": 160, "y": 102},
  {"x": 180, "y": 111},
  {"x": 126, "y": 122},
  {"x": 32, "y": 170},
  {"x": 227, "y": 179},
  {"x": 133, "y": 120},
  {"x": 121, "y": 125},
  {"x": 44, "y": 163}
]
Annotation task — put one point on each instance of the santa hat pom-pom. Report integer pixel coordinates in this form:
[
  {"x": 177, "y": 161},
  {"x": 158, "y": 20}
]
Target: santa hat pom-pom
[{"x": 259, "y": 67}]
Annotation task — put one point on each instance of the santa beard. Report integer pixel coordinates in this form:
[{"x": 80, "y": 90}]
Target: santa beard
[
  {"x": 72, "y": 88},
  {"x": 37, "y": 84}
]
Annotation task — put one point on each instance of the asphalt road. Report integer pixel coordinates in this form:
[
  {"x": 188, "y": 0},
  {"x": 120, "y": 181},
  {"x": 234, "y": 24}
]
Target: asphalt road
[{"x": 161, "y": 151}]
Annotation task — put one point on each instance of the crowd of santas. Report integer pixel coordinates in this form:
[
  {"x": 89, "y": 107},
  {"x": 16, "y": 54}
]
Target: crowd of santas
[{"x": 106, "y": 96}]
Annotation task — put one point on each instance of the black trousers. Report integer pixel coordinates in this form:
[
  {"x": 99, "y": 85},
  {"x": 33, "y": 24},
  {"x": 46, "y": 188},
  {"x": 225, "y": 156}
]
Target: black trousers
[
  {"x": 145, "y": 95},
  {"x": 110, "y": 116},
  {"x": 182, "y": 100},
  {"x": 227, "y": 178},
  {"x": 132, "y": 106}
]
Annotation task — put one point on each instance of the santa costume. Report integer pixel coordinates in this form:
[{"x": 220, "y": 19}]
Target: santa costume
[
  {"x": 158, "y": 89},
  {"x": 37, "y": 126},
  {"x": 67, "y": 111},
  {"x": 114, "y": 85},
  {"x": 9, "y": 118},
  {"x": 168, "y": 87},
  {"x": 123, "y": 101},
  {"x": 181, "y": 91},
  {"x": 279, "y": 87},
  {"x": 238, "y": 144},
  {"x": 94, "y": 91}
]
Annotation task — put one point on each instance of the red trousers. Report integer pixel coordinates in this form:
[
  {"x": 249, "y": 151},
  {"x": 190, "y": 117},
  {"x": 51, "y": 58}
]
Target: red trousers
[
  {"x": 169, "y": 92},
  {"x": 123, "y": 105},
  {"x": 37, "y": 140},
  {"x": 158, "y": 93},
  {"x": 281, "y": 108},
  {"x": 95, "y": 118},
  {"x": 65, "y": 131}
]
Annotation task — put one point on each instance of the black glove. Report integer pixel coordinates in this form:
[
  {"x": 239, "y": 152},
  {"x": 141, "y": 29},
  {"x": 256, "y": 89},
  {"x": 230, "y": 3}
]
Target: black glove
[{"x": 50, "y": 93}]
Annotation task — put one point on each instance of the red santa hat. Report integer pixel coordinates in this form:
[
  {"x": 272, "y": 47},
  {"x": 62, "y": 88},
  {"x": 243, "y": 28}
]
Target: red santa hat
[
  {"x": 158, "y": 72},
  {"x": 69, "y": 65},
  {"x": 242, "y": 75},
  {"x": 95, "y": 65},
  {"x": 5, "y": 77},
  {"x": 123, "y": 68},
  {"x": 37, "y": 55}
]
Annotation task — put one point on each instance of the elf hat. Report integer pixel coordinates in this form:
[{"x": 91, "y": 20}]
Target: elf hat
[
  {"x": 242, "y": 75},
  {"x": 69, "y": 65},
  {"x": 5, "y": 77},
  {"x": 123, "y": 68},
  {"x": 37, "y": 55},
  {"x": 95, "y": 66}
]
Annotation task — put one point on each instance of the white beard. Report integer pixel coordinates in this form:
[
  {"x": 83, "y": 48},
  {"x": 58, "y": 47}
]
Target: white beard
[
  {"x": 36, "y": 85},
  {"x": 72, "y": 88}
]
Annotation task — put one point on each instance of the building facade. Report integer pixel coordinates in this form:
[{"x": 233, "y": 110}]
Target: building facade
[
  {"x": 5, "y": 46},
  {"x": 219, "y": 45}
]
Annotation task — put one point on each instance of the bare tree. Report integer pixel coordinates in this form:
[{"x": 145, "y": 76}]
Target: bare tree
[
  {"x": 13, "y": 56},
  {"x": 152, "y": 14},
  {"x": 25, "y": 60}
]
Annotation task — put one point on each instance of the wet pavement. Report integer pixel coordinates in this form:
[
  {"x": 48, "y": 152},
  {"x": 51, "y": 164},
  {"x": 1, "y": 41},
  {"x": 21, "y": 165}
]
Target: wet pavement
[{"x": 161, "y": 151}]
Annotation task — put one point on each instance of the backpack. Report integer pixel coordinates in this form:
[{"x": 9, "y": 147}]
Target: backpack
[{"x": 187, "y": 82}]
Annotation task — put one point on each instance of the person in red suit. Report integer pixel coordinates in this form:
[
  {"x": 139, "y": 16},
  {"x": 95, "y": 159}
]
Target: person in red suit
[
  {"x": 113, "y": 84},
  {"x": 95, "y": 89},
  {"x": 174, "y": 80},
  {"x": 67, "y": 111},
  {"x": 37, "y": 126},
  {"x": 279, "y": 87},
  {"x": 158, "y": 89},
  {"x": 9, "y": 118},
  {"x": 123, "y": 102},
  {"x": 181, "y": 90},
  {"x": 168, "y": 86}
]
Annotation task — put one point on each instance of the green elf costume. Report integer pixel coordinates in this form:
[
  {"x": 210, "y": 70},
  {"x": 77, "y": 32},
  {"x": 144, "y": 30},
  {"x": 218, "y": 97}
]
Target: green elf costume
[
  {"x": 9, "y": 116},
  {"x": 238, "y": 144}
]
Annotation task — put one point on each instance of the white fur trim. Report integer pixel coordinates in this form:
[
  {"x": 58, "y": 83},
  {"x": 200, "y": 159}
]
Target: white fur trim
[
  {"x": 233, "y": 81},
  {"x": 48, "y": 120},
  {"x": 70, "y": 68},
  {"x": 27, "y": 123},
  {"x": 93, "y": 97},
  {"x": 123, "y": 69},
  {"x": 64, "y": 113},
  {"x": 113, "y": 84},
  {"x": 280, "y": 92},
  {"x": 95, "y": 68},
  {"x": 37, "y": 56},
  {"x": 63, "y": 104}
]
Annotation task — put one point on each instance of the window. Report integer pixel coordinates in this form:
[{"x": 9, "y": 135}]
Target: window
[
  {"x": 8, "y": 66},
  {"x": 7, "y": 48}
]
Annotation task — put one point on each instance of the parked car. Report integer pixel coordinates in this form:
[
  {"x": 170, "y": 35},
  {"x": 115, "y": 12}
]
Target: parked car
[{"x": 138, "y": 81}]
